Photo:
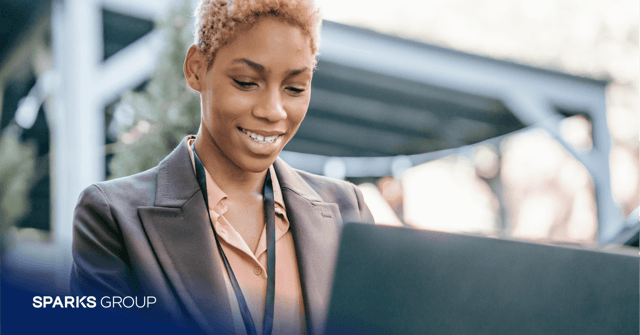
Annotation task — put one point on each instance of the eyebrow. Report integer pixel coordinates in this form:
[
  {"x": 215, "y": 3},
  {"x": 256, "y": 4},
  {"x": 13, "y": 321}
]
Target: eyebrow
[
  {"x": 297, "y": 71},
  {"x": 244, "y": 61},
  {"x": 260, "y": 68}
]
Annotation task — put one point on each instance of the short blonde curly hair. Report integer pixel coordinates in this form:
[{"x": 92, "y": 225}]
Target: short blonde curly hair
[{"x": 218, "y": 21}]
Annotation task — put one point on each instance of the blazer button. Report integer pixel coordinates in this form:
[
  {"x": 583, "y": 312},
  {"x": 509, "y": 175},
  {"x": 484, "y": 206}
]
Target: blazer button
[{"x": 257, "y": 270}]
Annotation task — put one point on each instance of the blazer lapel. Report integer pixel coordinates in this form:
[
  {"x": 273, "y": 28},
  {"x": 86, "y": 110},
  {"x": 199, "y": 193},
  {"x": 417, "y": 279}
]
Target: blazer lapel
[
  {"x": 180, "y": 233},
  {"x": 315, "y": 226}
]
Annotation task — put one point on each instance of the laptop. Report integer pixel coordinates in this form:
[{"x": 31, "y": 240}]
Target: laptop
[{"x": 391, "y": 280}]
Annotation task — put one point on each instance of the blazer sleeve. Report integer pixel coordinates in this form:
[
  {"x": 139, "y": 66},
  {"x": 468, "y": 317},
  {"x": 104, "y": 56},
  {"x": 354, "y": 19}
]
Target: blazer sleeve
[{"x": 99, "y": 259}]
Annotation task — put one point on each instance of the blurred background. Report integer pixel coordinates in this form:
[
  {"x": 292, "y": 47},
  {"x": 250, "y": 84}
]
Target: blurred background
[{"x": 509, "y": 119}]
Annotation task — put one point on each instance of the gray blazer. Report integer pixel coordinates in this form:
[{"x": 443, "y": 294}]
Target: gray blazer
[{"x": 149, "y": 234}]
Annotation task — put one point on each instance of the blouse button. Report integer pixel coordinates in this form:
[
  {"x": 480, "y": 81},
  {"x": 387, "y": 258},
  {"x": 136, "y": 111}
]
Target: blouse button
[{"x": 257, "y": 270}]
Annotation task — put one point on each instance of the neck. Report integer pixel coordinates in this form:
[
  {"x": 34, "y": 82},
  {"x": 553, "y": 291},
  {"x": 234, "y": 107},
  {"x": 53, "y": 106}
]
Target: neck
[{"x": 230, "y": 178}]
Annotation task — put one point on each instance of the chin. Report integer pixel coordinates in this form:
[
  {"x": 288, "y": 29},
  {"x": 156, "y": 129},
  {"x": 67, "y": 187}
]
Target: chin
[{"x": 256, "y": 164}]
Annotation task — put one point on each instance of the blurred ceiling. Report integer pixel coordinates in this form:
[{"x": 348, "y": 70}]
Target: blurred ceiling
[
  {"x": 357, "y": 113},
  {"x": 363, "y": 113}
]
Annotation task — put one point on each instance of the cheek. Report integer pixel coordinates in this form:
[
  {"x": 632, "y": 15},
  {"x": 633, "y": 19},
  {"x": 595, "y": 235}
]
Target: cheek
[
  {"x": 296, "y": 114},
  {"x": 224, "y": 107}
]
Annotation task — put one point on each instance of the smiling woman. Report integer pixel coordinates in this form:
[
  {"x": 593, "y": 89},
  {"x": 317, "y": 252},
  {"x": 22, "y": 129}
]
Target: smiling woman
[
  {"x": 226, "y": 236},
  {"x": 254, "y": 95}
]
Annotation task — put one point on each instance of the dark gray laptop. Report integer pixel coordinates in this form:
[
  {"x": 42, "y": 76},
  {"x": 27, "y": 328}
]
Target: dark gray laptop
[{"x": 402, "y": 281}]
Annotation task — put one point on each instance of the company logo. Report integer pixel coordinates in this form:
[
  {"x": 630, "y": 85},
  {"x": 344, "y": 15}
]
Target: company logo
[{"x": 91, "y": 302}]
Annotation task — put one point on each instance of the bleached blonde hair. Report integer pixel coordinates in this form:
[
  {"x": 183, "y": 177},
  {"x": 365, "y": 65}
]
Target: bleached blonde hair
[{"x": 218, "y": 21}]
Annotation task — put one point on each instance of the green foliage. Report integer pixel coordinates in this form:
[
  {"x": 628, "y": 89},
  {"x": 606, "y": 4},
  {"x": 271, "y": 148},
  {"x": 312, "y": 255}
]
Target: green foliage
[
  {"x": 17, "y": 169},
  {"x": 167, "y": 111}
]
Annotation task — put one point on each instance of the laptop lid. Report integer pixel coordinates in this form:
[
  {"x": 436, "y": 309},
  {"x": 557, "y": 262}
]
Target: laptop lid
[{"x": 392, "y": 280}]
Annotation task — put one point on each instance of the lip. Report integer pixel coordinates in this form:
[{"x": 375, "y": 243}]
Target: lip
[
  {"x": 265, "y": 133},
  {"x": 259, "y": 148}
]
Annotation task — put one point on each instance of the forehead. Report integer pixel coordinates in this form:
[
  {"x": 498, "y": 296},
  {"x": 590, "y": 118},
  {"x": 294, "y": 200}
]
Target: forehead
[{"x": 269, "y": 42}]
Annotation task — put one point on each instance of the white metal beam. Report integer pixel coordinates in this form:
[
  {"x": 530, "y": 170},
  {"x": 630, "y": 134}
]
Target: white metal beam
[
  {"x": 86, "y": 85},
  {"x": 150, "y": 10},
  {"x": 77, "y": 132},
  {"x": 128, "y": 67}
]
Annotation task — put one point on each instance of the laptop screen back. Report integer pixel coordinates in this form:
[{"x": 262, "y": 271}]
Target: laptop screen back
[{"x": 403, "y": 281}]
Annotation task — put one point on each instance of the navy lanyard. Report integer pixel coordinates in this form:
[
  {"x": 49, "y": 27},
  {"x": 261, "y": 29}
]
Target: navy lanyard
[{"x": 269, "y": 215}]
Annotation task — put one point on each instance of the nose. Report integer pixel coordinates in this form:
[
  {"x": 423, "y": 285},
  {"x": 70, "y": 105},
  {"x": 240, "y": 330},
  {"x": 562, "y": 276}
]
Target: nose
[{"x": 270, "y": 106}]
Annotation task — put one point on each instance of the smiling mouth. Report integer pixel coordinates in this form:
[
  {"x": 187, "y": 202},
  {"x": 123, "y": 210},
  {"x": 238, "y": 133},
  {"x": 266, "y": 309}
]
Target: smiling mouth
[{"x": 260, "y": 138}]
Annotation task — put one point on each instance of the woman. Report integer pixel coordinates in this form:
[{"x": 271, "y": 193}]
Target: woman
[{"x": 225, "y": 235}]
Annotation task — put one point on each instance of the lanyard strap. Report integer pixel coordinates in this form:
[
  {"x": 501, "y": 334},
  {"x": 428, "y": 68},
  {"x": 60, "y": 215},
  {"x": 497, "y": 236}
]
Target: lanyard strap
[{"x": 269, "y": 215}]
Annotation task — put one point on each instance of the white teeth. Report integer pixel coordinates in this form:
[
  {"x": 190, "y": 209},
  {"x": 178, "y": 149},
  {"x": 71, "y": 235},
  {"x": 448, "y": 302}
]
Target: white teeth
[{"x": 260, "y": 138}]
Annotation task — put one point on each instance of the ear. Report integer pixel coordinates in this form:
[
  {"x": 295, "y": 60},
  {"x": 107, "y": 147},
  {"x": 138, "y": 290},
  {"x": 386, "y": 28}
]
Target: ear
[{"x": 194, "y": 67}]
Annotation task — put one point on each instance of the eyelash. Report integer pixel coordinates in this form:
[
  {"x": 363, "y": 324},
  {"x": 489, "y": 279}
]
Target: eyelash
[
  {"x": 248, "y": 84},
  {"x": 243, "y": 84}
]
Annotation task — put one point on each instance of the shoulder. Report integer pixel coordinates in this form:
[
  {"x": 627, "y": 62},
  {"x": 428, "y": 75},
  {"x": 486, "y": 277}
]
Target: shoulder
[
  {"x": 344, "y": 194},
  {"x": 311, "y": 186},
  {"x": 135, "y": 190},
  {"x": 327, "y": 187},
  {"x": 106, "y": 210}
]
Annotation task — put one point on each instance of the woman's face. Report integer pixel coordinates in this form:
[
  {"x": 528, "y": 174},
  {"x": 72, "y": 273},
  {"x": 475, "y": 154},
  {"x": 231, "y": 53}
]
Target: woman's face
[{"x": 256, "y": 93}]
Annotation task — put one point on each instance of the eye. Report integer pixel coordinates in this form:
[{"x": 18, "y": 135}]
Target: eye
[
  {"x": 296, "y": 90},
  {"x": 244, "y": 84}
]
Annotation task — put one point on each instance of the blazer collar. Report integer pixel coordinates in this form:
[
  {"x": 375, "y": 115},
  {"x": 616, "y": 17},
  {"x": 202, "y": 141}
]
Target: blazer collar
[
  {"x": 180, "y": 234},
  {"x": 179, "y": 231}
]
